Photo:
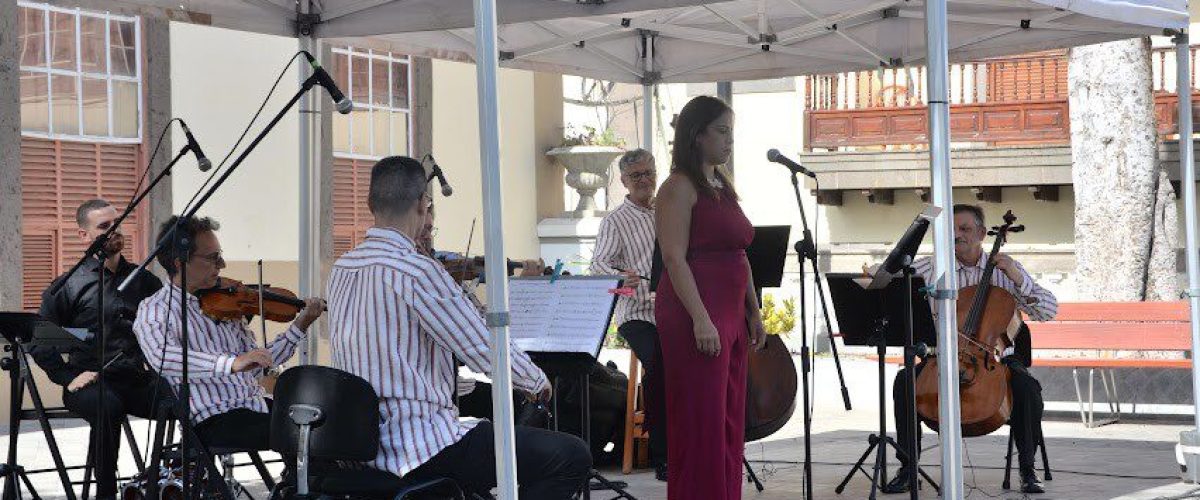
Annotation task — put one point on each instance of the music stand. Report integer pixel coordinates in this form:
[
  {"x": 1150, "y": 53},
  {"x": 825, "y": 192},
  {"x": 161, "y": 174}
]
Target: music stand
[
  {"x": 572, "y": 359},
  {"x": 767, "y": 254},
  {"x": 20, "y": 329},
  {"x": 880, "y": 317}
]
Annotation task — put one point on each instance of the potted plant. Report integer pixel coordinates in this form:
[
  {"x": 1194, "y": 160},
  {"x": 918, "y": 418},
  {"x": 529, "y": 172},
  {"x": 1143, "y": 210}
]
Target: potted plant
[{"x": 587, "y": 155}]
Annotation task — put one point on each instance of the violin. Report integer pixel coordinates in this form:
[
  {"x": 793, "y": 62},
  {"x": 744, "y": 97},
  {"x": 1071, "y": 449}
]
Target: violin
[
  {"x": 468, "y": 268},
  {"x": 231, "y": 299},
  {"x": 984, "y": 314}
]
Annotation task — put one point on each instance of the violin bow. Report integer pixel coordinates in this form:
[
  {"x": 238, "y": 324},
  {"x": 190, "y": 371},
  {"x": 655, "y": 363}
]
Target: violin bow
[
  {"x": 467, "y": 252},
  {"x": 262, "y": 319}
]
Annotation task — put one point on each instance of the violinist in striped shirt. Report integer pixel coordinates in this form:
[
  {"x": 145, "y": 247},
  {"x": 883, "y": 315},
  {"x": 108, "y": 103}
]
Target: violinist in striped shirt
[
  {"x": 224, "y": 359},
  {"x": 398, "y": 320}
]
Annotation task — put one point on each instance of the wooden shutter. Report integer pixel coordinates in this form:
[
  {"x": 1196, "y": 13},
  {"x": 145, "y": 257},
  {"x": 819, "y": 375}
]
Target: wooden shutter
[
  {"x": 56, "y": 177},
  {"x": 351, "y": 215},
  {"x": 37, "y": 255}
]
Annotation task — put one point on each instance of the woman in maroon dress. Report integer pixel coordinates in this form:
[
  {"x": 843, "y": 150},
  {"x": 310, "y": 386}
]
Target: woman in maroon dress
[{"x": 706, "y": 308}]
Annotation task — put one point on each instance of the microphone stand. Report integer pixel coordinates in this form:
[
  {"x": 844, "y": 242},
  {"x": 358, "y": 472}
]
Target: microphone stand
[
  {"x": 806, "y": 250},
  {"x": 182, "y": 244}
]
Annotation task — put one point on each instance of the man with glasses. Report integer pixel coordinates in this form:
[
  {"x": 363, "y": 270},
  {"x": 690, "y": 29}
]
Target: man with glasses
[
  {"x": 128, "y": 388},
  {"x": 625, "y": 246},
  {"x": 224, "y": 361}
]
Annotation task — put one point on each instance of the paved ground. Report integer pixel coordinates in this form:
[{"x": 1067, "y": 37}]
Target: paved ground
[{"x": 1131, "y": 460}]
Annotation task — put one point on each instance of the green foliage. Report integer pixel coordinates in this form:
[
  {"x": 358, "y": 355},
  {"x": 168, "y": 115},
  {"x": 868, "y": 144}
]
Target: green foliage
[
  {"x": 589, "y": 137},
  {"x": 778, "y": 319},
  {"x": 613, "y": 340}
]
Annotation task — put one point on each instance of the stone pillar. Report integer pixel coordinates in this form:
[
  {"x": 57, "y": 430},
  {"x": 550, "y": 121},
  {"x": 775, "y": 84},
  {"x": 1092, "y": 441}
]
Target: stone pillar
[
  {"x": 422, "y": 107},
  {"x": 10, "y": 161},
  {"x": 548, "y": 126},
  {"x": 156, "y": 75}
]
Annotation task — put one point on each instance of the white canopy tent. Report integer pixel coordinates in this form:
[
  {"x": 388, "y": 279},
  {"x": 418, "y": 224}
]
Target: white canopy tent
[
  {"x": 754, "y": 39},
  {"x": 695, "y": 40}
]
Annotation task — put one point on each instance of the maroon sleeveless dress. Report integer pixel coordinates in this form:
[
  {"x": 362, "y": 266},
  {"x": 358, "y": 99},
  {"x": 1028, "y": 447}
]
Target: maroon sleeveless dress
[{"x": 706, "y": 396}]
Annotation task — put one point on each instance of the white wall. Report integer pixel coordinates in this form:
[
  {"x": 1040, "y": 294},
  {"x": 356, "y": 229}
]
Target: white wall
[
  {"x": 219, "y": 78},
  {"x": 456, "y": 147}
]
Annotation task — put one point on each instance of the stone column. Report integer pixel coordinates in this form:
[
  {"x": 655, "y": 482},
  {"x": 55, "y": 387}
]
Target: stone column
[
  {"x": 10, "y": 161},
  {"x": 422, "y": 107},
  {"x": 156, "y": 82}
]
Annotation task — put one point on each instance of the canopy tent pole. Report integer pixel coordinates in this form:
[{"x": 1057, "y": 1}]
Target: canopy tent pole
[
  {"x": 486, "y": 67},
  {"x": 1187, "y": 170},
  {"x": 648, "y": 78},
  {"x": 306, "y": 257},
  {"x": 946, "y": 292}
]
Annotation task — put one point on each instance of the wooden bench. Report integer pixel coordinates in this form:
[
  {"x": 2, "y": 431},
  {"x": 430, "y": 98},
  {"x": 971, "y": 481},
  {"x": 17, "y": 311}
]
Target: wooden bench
[
  {"x": 1108, "y": 326},
  {"x": 1111, "y": 326}
]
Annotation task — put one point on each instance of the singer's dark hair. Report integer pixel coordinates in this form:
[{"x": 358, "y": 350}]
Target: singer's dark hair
[
  {"x": 397, "y": 184},
  {"x": 694, "y": 119},
  {"x": 189, "y": 227},
  {"x": 971, "y": 209},
  {"x": 81, "y": 213}
]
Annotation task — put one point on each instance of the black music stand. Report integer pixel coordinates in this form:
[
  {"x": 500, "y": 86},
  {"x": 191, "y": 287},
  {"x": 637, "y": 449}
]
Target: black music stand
[
  {"x": 767, "y": 254},
  {"x": 557, "y": 365},
  {"x": 21, "y": 329},
  {"x": 879, "y": 318}
]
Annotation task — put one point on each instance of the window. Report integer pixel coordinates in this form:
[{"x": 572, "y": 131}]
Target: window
[
  {"x": 379, "y": 126},
  {"x": 80, "y": 74},
  {"x": 381, "y": 123}
]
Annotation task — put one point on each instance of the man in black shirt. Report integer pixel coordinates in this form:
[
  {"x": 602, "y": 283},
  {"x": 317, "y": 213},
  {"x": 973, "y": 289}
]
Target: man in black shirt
[{"x": 129, "y": 388}]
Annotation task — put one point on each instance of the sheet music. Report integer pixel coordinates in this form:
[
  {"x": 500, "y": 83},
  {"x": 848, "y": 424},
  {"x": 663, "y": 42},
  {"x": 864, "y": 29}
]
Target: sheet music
[{"x": 570, "y": 315}]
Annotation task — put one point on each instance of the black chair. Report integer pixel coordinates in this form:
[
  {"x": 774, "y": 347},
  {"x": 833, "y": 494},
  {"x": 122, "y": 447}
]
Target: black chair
[{"x": 324, "y": 417}]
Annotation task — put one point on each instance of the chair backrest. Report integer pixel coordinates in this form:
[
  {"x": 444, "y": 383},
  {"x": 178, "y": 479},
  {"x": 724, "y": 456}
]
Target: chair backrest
[{"x": 350, "y": 427}]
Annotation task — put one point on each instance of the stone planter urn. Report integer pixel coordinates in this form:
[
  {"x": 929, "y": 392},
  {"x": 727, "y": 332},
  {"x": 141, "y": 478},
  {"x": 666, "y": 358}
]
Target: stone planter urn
[{"x": 587, "y": 172}]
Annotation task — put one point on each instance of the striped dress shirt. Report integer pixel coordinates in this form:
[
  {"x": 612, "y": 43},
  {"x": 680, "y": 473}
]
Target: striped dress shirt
[
  {"x": 212, "y": 347},
  {"x": 396, "y": 319},
  {"x": 1038, "y": 303},
  {"x": 626, "y": 241}
]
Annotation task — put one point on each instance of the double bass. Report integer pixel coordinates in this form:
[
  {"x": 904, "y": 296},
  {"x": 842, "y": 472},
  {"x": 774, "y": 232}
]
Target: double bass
[{"x": 984, "y": 314}]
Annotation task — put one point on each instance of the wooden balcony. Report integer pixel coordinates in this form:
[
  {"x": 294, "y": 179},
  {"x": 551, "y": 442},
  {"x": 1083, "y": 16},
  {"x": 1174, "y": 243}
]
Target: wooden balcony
[{"x": 1012, "y": 101}]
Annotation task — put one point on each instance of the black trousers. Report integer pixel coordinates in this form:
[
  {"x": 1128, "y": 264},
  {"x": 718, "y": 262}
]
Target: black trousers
[
  {"x": 147, "y": 396},
  {"x": 550, "y": 465},
  {"x": 239, "y": 428},
  {"x": 642, "y": 337},
  {"x": 1026, "y": 415}
]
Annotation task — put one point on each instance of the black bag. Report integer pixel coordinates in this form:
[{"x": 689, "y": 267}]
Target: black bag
[{"x": 607, "y": 390}]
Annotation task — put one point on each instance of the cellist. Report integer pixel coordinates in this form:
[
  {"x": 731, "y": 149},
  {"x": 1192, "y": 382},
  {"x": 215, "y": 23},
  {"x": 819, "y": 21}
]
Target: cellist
[{"x": 1031, "y": 298}]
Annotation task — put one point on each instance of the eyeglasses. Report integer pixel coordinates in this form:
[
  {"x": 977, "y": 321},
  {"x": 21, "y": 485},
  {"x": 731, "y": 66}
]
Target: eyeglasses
[
  {"x": 216, "y": 258},
  {"x": 637, "y": 176}
]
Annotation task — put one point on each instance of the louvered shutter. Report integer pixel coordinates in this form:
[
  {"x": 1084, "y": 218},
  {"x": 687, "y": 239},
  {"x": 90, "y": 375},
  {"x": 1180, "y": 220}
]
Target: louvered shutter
[{"x": 351, "y": 215}]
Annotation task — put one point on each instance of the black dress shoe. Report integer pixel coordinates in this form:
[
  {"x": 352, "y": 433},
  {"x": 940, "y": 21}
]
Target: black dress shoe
[
  {"x": 1030, "y": 483},
  {"x": 660, "y": 472},
  {"x": 898, "y": 484}
]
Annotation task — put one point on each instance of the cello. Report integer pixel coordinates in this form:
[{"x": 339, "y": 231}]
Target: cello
[{"x": 984, "y": 313}]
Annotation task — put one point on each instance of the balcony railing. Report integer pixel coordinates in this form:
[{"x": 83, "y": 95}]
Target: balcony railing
[{"x": 999, "y": 101}]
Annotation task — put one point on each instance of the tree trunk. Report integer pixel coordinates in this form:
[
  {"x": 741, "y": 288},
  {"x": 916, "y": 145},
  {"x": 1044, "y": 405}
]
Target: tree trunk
[{"x": 1124, "y": 206}]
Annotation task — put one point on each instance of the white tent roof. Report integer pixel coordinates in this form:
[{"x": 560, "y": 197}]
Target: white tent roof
[
  {"x": 753, "y": 39},
  {"x": 341, "y": 18}
]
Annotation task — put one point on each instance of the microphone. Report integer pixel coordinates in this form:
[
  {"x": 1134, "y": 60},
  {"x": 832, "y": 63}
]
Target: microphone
[
  {"x": 437, "y": 172},
  {"x": 775, "y": 156},
  {"x": 201, "y": 159},
  {"x": 343, "y": 103}
]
